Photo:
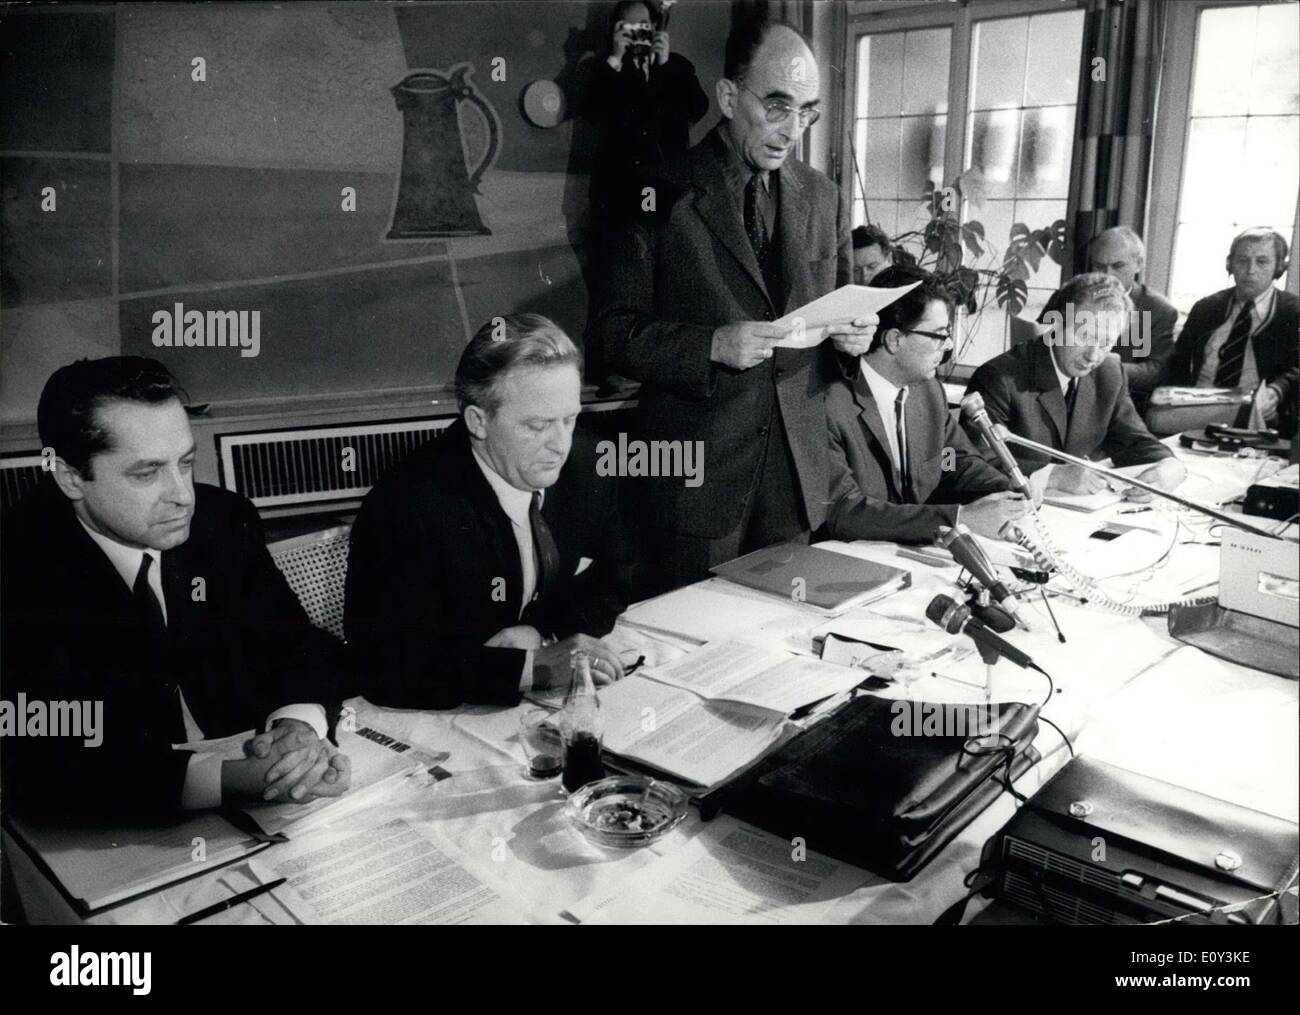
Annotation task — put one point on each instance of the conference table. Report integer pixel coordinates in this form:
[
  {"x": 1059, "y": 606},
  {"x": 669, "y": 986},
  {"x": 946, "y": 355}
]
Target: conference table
[{"x": 1125, "y": 692}]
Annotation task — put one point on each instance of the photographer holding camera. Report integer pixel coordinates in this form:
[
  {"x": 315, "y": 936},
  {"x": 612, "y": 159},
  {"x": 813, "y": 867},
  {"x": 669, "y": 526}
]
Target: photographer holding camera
[{"x": 644, "y": 98}]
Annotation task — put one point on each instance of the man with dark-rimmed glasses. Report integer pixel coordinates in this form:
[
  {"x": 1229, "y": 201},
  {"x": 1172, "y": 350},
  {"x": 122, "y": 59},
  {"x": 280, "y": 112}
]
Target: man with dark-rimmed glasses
[
  {"x": 731, "y": 237},
  {"x": 900, "y": 465}
]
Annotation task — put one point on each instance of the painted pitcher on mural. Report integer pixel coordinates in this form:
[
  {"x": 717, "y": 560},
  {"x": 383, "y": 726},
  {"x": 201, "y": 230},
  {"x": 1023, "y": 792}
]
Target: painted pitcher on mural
[{"x": 435, "y": 193}]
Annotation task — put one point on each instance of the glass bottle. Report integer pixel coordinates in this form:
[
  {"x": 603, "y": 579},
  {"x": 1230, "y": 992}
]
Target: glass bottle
[{"x": 582, "y": 726}]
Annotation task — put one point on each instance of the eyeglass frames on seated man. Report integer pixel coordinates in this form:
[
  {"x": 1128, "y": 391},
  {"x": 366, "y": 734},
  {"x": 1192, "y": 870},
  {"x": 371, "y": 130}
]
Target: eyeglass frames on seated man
[{"x": 777, "y": 111}]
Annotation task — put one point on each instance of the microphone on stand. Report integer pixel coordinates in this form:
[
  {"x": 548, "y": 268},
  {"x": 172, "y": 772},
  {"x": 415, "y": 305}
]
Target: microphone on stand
[
  {"x": 974, "y": 413},
  {"x": 956, "y": 618},
  {"x": 967, "y": 552}
]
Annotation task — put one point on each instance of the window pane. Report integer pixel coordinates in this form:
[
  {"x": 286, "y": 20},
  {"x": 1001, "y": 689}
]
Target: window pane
[
  {"x": 1054, "y": 56},
  {"x": 1047, "y": 138},
  {"x": 1267, "y": 188},
  {"x": 921, "y": 153},
  {"x": 998, "y": 62},
  {"x": 880, "y": 69},
  {"x": 994, "y": 142},
  {"x": 1211, "y": 183},
  {"x": 1275, "y": 83},
  {"x": 925, "y": 76},
  {"x": 1225, "y": 44},
  {"x": 1199, "y": 252},
  {"x": 880, "y": 158}
]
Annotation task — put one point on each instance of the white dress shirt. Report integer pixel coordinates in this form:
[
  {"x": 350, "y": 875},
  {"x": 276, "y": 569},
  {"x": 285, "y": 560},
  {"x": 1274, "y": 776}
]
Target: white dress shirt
[
  {"x": 202, "y": 788},
  {"x": 515, "y": 503},
  {"x": 885, "y": 393},
  {"x": 1259, "y": 317}
]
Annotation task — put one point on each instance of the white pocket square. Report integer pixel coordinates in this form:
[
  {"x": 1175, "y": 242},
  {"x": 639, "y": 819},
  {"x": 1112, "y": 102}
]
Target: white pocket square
[{"x": 583, "y": 564}]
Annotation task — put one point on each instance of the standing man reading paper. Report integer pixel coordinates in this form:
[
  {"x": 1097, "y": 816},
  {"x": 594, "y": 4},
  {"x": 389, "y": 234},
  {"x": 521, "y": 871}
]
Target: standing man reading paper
[{"x": 732, "y": 236}]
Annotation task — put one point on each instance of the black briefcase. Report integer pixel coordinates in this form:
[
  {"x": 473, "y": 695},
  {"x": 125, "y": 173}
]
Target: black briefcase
[
  {"x": 1102, "y": 845},
  {"x": 884, "y": 784}
]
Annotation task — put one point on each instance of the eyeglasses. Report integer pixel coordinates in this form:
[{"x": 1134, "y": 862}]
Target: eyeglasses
[
  {"x": 938, "y": 336},
  {"x": 776, "y": 111}
]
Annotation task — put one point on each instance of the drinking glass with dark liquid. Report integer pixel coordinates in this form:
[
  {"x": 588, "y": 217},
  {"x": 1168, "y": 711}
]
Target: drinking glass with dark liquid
[
  {"x": 582, "y": 725},
  {"x": 542, "y": 742}
]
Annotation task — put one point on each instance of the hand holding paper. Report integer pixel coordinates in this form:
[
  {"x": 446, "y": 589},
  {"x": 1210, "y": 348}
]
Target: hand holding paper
[{"x": 834, "y": 314}]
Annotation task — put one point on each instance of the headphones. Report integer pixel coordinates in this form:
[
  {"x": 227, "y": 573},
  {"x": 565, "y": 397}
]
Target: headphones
[{"x": 1279, "y": 248}]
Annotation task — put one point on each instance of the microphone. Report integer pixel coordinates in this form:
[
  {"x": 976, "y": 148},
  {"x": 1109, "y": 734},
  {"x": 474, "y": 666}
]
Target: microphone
[
  {"x": 974, "y": 413},
  {"x": 956, "y": 618},
  {"x": 967, "y": 552}
]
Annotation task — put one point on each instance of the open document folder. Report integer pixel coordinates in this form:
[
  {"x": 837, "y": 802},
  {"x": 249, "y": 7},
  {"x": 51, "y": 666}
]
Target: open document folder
[
  {"x": 98, "y": 867},
  {"x": 708, "y": 714},
  {"x": 810, "y": 323}
]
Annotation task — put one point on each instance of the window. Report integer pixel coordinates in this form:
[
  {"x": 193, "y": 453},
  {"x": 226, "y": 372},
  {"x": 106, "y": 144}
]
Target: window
[
  {"x": 985, "y": 90},
  {"x": 1241, "y": 160}
]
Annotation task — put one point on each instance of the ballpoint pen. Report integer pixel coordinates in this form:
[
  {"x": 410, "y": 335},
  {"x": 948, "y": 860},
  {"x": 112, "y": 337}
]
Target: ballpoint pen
[{"x": 231, "y": 902}]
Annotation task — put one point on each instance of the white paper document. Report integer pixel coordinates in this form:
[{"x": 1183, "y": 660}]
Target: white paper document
[
  {"x": 384, "y": 874},
  {"x": 729, "y": 873},
  {"x": 809, "y": 324}
]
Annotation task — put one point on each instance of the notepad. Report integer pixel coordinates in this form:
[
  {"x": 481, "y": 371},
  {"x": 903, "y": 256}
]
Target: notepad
[{"x": 830, "y": 581}]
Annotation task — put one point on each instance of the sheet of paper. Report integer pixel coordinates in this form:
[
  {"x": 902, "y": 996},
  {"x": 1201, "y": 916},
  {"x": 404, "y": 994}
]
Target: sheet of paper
[
  {"x": 717, "y": 609},
  {"x": 635, "y": 705},
  {"x": 101, "y": 866},
  {"x": 391, "y": 873},
  {"x": 707, "y": 743},
  {"x": 809, "y": 323},
  {"x": 730, "y": 873}
]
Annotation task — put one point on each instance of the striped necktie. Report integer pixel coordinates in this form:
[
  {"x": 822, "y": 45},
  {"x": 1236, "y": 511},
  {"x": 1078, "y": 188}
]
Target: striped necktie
[{"x": 1232, "y": 354}]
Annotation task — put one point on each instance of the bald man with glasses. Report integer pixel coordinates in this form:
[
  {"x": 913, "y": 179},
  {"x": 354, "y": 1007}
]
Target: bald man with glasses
[{"x": 731, "y": 237}]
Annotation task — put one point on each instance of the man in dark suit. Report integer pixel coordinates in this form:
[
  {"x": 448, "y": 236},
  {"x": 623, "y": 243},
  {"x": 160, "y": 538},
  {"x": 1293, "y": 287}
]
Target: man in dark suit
[
  {"x": 126, "y": 583},
  {"x": 901, "y": 466},
  {"x": 1068, "y": 392},
  {"x": 1144, "y": 348},
  {"x": 495, "y": 550},
  {"x": 1246, "y": 336},
  {"x": 738, "y": 235}
]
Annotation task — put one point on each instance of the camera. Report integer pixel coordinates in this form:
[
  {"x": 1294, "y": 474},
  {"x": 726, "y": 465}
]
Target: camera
[{"x": 640, "y": 38}]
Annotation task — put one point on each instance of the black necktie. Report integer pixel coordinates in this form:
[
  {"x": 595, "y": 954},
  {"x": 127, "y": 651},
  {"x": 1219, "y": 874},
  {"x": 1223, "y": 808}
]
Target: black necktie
[
  {"x": 146, "y": 601},
  {"x": 755, "y": 228},
  {"x": 1071, "y": 394},
  {"x": 548, "y": 556},
  {"x": 904, "y": 460},
  {"x": 1232, "y": 354}
]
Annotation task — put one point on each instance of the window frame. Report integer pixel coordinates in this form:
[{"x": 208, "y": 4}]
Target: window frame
[
  {"x": 1169, "y": 142},
  {"x": 868, "y": 18}
]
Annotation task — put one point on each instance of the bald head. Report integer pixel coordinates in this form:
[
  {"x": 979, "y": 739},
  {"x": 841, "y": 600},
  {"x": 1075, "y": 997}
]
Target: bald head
[
  {"x": 773, "y": 67},
  {"x": 1118, "y": 252}
]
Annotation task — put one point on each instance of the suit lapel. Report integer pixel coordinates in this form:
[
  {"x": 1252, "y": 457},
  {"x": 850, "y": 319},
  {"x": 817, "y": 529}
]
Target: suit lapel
[
  {"x": 1049, "y": 392},
  {"x": 869, "y": 413},
  {"x": 489, "y": 513},
  {"x": 718, "y": 210},
  {"x": 793, "y": 218}
]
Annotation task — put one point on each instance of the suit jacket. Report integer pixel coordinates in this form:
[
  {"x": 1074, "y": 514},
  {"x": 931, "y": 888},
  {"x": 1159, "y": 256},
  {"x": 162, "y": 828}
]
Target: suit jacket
[
  {"x": 239, "y": 645},
  {"x": 1276, "y": 347},
  {"x": 430, "y": 548},
  {"x": 676, "y": 276},
  {"x": 865, "y": 500},
  {"x": 1143, "y": 372},
  {"x": 1021, "y": 391}
]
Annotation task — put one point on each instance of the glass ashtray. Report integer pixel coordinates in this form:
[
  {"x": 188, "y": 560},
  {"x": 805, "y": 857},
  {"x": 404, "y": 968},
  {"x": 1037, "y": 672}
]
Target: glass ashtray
[{"x": 625, "y": 811}]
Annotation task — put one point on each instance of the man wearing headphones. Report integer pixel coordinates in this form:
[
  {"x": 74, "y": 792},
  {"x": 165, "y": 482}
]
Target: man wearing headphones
[{"x": 1246, "y": 336}]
